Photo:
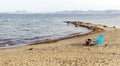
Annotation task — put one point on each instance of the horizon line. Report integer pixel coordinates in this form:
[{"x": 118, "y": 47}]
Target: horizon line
[{"x": 57, "y": 11}]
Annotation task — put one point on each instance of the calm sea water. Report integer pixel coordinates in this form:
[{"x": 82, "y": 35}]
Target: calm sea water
[{"x": 29, "y": 28}]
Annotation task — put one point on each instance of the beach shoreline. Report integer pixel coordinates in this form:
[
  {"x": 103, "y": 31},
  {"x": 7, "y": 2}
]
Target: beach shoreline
[
  {"x": 94, "y": 28},
  {"x": 69, "y": 51}
]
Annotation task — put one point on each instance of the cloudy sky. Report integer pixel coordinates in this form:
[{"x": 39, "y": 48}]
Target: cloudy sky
[{"x": 57, "y": 5}]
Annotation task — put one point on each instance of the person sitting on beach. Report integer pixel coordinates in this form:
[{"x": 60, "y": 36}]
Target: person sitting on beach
[{"x": 88, "y": 42}]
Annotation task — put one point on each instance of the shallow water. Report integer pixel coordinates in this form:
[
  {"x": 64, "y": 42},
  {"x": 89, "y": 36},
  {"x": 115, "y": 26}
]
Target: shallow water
[
  {"x": 30, "y": 28},
  {"x": 22, "y": 29}
]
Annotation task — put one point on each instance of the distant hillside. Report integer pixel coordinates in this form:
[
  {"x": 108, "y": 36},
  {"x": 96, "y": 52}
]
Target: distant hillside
[
  {"x": 90, "y": 12},
  {"x": 17, "y": 12},
  {"x": 21, "y": 12},
  {"x": 69, "y": 12}
]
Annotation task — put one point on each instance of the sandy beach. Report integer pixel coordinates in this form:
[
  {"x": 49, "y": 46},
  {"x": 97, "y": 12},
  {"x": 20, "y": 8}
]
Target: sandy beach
[{"x": 67, "y": 52}]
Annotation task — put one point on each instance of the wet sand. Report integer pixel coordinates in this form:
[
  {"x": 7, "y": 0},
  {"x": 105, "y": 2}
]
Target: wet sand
[{"x": 67, "y": 52}]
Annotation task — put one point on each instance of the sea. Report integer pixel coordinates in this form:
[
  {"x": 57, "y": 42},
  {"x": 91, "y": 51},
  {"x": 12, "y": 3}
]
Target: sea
[{"x": 25, "y": 29}]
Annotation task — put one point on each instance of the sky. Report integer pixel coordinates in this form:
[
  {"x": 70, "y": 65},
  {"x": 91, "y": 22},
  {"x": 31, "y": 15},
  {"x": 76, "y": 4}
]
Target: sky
[{"x": 57, "y": 5}]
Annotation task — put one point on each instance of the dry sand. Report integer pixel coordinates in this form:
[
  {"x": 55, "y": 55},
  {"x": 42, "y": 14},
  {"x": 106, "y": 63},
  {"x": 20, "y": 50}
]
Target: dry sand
[{"x": 67, "y": 52}]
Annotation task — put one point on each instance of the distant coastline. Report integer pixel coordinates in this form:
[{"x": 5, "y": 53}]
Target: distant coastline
[{"x": 67, "y": 12}]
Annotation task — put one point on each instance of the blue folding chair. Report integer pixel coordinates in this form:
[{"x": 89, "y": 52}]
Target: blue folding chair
[{"x": 99, "y": 41}]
